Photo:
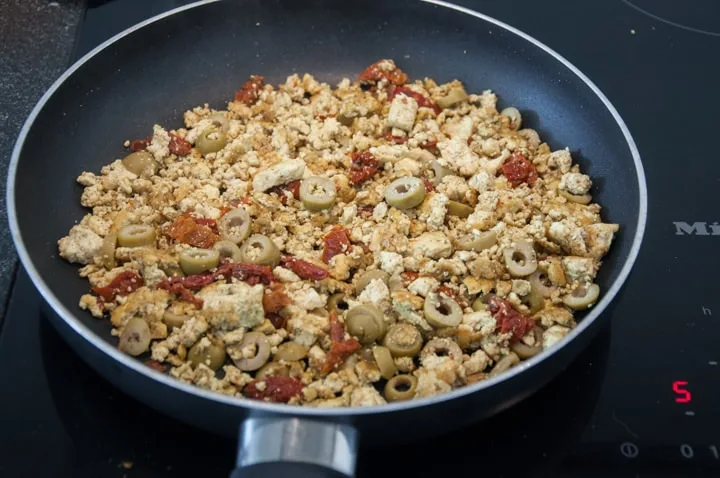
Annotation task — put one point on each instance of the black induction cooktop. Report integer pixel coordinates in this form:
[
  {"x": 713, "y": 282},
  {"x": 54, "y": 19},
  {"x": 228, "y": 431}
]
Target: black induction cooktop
[{"x": 642, "y": 401}]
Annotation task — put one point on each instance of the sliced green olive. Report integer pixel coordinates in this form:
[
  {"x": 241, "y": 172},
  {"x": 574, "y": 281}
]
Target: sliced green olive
[
  {"x": 107, "y": 251},
  {"x": 211, "y": 140},
  {"x": 173, "y": 320},
  {"x": 444, "y": 347},
  {"x": 539, "y": 282},
  {"x": 534, "y": 302},
  {"x": 481, "y": 302},
  {"x": 383, "y": 359},
  {"x": 403, "y": 340},
  {"x": 440, "y": 171},
  {"x": 442, "y": 311},
  {"x": 195, "y": 261},
  {"x": 477, "y": 243},
  {"x": 337, "y": 303},
  {"x": 290, "y": 352},
  {"x": 514, "y": 115},
  {"x": 366, "y": 323},
  {"x": 459, "y": 209},
  {"x": 259, "y": 249},
  {"x": 136, "y": 235},
  {"x": 212, "y": 355},
  {"x": 235, "y": 225},
  {"x": 220, "y": 121},
  {"x": 228, "y": 249},
  {"x": 135, "y": 337},
  {"x": 525, "y": 351},
  {"x": 576, "y": 198},
  {"x": 582, "y": 297},
  {"x": 317, "y": 193},
  {"x": 273, "y": 369},
  {"x": 520, "y": 259},
  {"x": 261, "y": 353},
  {"x": 400, "y": 387},
  {"x": 140, "y": 162},
  {"x": 405, "y": 193},
  {"x": 455, "y": 95},
  {"x": 505, "y": 364},
  {"x": 370, "y": 276}
]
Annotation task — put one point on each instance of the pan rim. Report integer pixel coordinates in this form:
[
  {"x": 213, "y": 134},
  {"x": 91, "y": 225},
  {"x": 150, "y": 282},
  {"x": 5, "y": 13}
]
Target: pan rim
[{"x": 299, "y": 411}]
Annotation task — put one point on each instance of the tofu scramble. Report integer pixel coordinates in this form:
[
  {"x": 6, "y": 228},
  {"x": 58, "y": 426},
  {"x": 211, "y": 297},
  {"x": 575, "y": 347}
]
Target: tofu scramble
[{"x": 379, "y": 241}]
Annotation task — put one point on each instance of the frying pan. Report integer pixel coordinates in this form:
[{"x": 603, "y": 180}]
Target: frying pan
[{"x": 201, "y": 53}]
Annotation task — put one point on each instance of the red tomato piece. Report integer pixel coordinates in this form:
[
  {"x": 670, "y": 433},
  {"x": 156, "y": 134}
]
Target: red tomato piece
[
  {"x": 363, "y": 167},
  {"x": 275, "y": 299},
  {"x": 304, "y": 269},
  {"x": 121, "y": 285},
  {"x": 251, "y": 273},
  {"x": 421, "y": 100},
  {"x": 140, "y": 144},
  {"x": 375, "y": 72},
  {"x": 186, "y": 229},
  {"x": 179, "y": 146},
  {"x": 429, "y": 186},
  {"x": 276, "y": 389},
  {"x": 249, "y": 92},
  {"x": 341, "y": 348},
  {"x": 337, "y": 241},
  {"x": 395, "y": 139},
  {"x": 519, "y": 170},
  {"x": 509, "y": 320}
]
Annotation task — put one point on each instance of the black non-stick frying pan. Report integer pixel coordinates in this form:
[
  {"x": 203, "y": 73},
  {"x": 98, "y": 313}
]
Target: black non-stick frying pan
[{"x": 201, "y": 53}]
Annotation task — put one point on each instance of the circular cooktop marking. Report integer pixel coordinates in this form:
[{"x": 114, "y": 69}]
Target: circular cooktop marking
[{"x": 697, "y": 14}]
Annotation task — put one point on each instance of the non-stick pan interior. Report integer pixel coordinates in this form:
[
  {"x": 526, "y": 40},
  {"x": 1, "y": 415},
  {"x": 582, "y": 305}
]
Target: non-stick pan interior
[{"x": 202, "y": 55}]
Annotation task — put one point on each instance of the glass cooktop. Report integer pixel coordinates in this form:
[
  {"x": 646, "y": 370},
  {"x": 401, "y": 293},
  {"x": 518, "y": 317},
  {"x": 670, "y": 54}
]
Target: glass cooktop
[{"x": 640, "y": 402}]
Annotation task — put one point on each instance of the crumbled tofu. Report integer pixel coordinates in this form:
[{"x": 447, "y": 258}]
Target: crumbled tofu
[
  {"x": 160, "y": 144},
  {"x": 477, "y": 362},
  {"x": 432, "y": 244},
  {"x": 278, "y": 174},
  {"x": 457, "y": 155},
  {"x": 365, "y": 397},
  {"x": 90, "y": 302},
  {"x": 578, "y": 269},
  {"x": 575, "y": 183},
  {"x": 429, "y": 383},
  {"x": 481, "y": 321},
  {"x": 550, "y": 316},
  {"x": 285, "y": 275},
  {"x": 454, "y": 187},
  {"x": 403, "y": 110},
  {"x": 380, "y": 211},
  {"x": 422, "y": 286},
  {"x": 553, "y": 335},
  {"x": 305, "y": 328},
  {"x": 568, "y": 236},
  {"x": 376, "y": 293},
  {"x": 407, "y": 167},
  {"x": 230, "y": 306},
  {"x": 391, "y": 262},
  {"x": 480, "y": 182},
  {"x": 599, "y": 238},
  {"x": 437, "y": 206},
  {"x": 80, "y": 246},
  {"x": 560, "y": 160},
  {"x": 308, "y": 298},
  {"x": 521, "y": 287}
]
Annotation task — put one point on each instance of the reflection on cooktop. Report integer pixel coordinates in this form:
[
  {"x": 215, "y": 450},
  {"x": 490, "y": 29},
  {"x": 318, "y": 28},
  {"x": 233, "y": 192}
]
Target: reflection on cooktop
[
  {"x": 696, "y": 16},
  {"x": 102, "y": 422}
]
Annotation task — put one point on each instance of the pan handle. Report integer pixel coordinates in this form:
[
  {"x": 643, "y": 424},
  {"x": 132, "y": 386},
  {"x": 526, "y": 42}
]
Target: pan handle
[{"x": 281, "y": 447}]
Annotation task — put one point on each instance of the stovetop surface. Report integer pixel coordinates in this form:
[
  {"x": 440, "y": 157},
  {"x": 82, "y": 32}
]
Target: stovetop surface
[{"x": 640, "y": 402}]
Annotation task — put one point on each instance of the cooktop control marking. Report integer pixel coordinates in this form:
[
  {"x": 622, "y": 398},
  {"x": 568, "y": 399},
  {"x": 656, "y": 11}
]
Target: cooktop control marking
[
  {"x": 629, "y": 449},
  {"x": 707, "y": 311},
  {"x": 682, "y": 395},
  {"x": 690, "y": 413}
]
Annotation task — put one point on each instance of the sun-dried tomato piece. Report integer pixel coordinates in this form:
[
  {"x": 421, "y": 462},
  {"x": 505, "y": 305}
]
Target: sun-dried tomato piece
[
  {"x": 276, "y": 389},
  {"x": 363, "y": 167},
  {"x": 278, "y": 321},
  {"x": 453, "y": 295},
  {"x": 187, "y": 230},
  {"x": 422, "y": 101},
  {"x": 250, "y": 273},
  {"x": 429, "y": 186},
  {"x": 383, "y": 69},
  {"x": 178, "y": 145},
  {"x": 140, "y": 144},
  {"x": 431, "y": 146},
  {"x": 155, "y": 365},
  {"x": 365, "y": 210},
  {"x": 337, "y": 241},
  {"x": 409, "y": 277},
  {"x": 341, "y": 347},
  {"x": 509, "y": 320},
  {"x": 293, "y": 187},
  {"x": 249, "y": 92},
  {"x": 211, "y": 223},
  {"x": 274, "y": 299},
  {"x": 304, "y": 269},
  {"x": 182, "y": 290},
  {"x": 519, "y": 170},
  {"x": 121, "y": 285},
  {"x": 395, "y": 139}
]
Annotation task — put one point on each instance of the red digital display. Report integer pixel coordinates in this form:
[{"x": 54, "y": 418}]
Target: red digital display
[{"x": 682, "y": 394}]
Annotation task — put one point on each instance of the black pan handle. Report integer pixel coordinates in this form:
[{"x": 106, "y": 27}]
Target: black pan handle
[{"x": 285, "y": 447}]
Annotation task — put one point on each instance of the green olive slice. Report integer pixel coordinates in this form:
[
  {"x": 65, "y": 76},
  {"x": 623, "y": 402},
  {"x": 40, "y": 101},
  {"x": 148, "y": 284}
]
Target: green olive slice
[
  {"x": 582, "y": 297},
  {"x": 366, "y": 323},
  {"x": 229, "y": 250},
  {"x": 290, "y": 352},
  {"x": 212, "y": 355},
  {"x": 235, "y": 225},
  {"x": 219, "y": 120},
  {"x": 534, "y": 301},
  {"x": 261, "y": 352},
  {"x": 107, "y": 251},
  {"x": 135, "y": 337},
  {"x": 400, "y": 387},
  {"x": 403, "y": 340},
  {"x": 505, "y": 364},
  {"x": 576, "y": 198},
  {"x": 273, "y": 369},
  {"x": 442, "y": 311},
  {"x": 442, "y": 346},
  {"x": 525, "y": 351},
  {"x": 317, "y": 193},
  {"x": 173, "y": 320},
  {"x": 337, "y": 303},
  {"x": 481, "y": 302},
  {"x": 405, "y": 193},
  {"x": 514, "y": 116},
  {"x": 211, "y": 140},
  {"x": 383, "y": 359},
  {"x": 459, "y": 209},
  {"x": 140, "y": 162},
  {"x": 455, "y": 95},
  {"x": 368, "y": 277},
  {"x": 136, "y": 235},
  {"x": 440, "y": 172},
  {"x": 259, "y": 249},
  {"x": 476, "y": 242},
  {"x": 520, "y": 259},
  {"x": 195, "y": 261},
  {"x": 541, "y": 284}
]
